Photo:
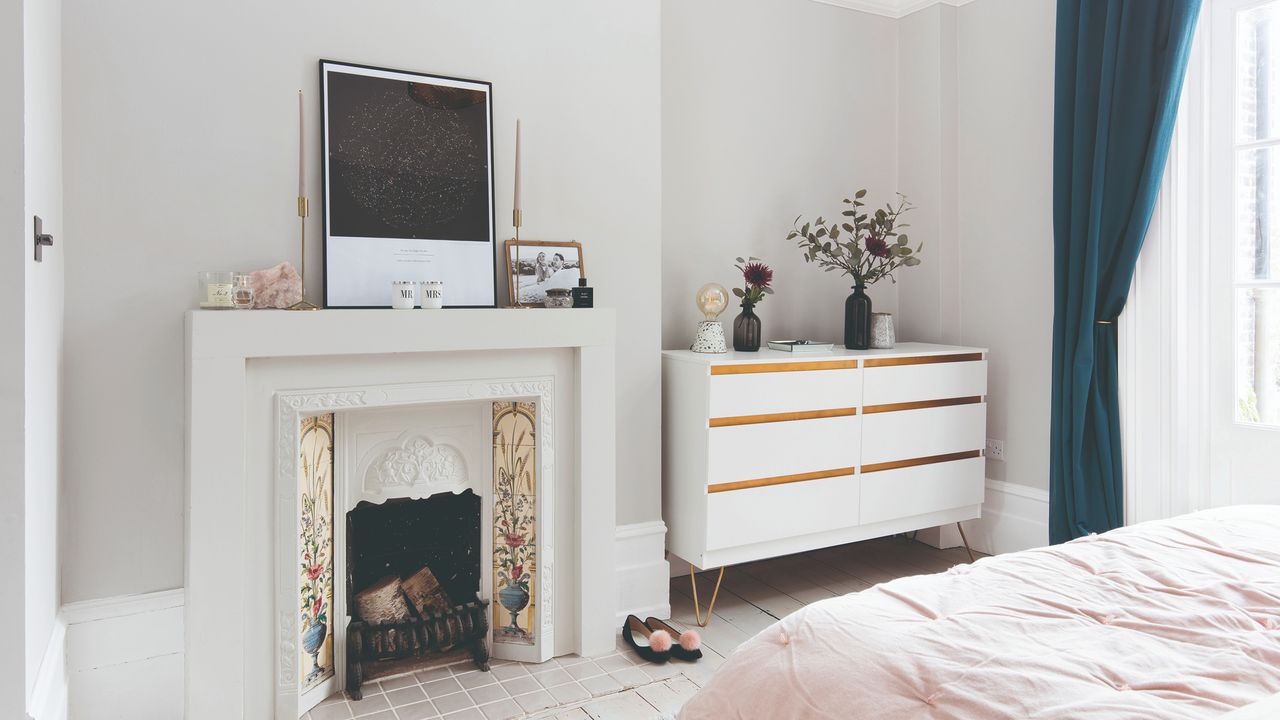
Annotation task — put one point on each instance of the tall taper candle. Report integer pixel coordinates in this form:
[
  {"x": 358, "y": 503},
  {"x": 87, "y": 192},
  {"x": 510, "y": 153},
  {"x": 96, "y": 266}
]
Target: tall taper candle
[
  {"x": 302, "y": 170},
  {"x": 516, "y": 202}
]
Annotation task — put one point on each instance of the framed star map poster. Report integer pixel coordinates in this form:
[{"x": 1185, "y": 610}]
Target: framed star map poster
[{"x": 408, "y": 185}]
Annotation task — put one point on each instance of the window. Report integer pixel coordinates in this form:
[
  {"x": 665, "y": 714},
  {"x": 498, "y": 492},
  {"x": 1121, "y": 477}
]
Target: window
[
  {"x": 1200, "y": 334},
  {"x": 1256, "y": 196}
]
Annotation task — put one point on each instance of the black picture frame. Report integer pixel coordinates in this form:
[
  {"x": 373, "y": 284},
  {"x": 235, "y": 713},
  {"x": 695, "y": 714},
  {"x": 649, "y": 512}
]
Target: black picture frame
[{"x": 422, "y": 210}]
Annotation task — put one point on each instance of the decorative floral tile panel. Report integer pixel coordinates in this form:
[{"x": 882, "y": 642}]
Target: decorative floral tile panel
[
  {"x": 515, "y": 483},
  {"x": 315, "y": 547}
]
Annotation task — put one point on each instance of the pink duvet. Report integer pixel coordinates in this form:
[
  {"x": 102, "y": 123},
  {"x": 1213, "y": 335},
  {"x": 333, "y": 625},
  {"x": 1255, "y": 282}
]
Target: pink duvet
[{"x": 1170, "y": 619}]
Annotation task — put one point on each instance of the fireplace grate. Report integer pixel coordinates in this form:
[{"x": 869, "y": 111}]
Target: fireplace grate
[{"x": 371, "y": 646}]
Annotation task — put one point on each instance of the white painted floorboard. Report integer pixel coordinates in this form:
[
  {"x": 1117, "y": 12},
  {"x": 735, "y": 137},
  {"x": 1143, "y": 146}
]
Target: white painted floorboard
[{"x": 621, "y": 686}]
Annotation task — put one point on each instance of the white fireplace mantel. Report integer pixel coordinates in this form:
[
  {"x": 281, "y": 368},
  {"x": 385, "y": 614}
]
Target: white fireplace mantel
[{"x": 222, "y": 558}]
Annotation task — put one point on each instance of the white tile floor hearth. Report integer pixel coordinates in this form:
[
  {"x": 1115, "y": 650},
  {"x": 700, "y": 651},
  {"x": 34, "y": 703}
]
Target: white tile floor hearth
[{"x": 621, "y": 686}]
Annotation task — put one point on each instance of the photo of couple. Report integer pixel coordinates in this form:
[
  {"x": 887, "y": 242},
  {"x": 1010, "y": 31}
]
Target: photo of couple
[{"x": 533, "y": 267}]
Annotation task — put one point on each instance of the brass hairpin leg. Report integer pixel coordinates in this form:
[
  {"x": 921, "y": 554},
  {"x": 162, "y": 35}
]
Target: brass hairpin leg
[
  {"x": 966, "y": 542},
  {"x": 697, "y": 610}
]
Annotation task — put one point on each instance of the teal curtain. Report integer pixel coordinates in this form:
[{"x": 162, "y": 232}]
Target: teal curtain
[{"x": 1119, "y": 70}]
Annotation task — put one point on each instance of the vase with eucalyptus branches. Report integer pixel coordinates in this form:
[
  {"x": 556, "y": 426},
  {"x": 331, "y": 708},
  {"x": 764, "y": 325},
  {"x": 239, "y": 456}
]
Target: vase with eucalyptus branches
[{"x": 866, "y": 245}]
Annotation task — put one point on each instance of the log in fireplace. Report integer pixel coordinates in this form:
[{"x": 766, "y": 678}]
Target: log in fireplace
[{"x": 413, "y": 586}]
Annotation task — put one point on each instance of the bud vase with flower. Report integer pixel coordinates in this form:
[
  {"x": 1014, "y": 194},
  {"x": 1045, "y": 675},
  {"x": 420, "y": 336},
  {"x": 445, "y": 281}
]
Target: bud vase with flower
[{"x": 756, "y": 278}]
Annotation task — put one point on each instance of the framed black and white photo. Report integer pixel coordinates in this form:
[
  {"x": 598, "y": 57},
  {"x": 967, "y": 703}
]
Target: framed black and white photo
[
  {"x": 535, "y": 266},
  {"x": 408, "y": 185}
]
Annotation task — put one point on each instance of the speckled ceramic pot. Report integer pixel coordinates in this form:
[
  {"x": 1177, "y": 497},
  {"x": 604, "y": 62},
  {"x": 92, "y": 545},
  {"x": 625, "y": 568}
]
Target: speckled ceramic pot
[
  {"x": 709, "y": 338},
  {"x": 882, "y": 337}
]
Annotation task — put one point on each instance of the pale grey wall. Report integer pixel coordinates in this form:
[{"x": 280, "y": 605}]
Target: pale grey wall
[
  {"x": 13, "y": 260},
  {"x": 770, "y": 109},
  {"x": 928, "y": 307},
  {"x": 181, "y": 156},
  {"x": 975, "y": 152},
  {"x": 1006, "y": 219}
]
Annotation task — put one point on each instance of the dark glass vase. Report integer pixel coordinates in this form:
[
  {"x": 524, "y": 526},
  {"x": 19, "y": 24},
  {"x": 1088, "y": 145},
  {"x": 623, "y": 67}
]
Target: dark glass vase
[
  {"x": 857, "y": 319},
  {"x": 746, "y": 329}
]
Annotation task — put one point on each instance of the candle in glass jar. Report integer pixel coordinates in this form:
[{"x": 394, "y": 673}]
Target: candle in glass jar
[
  {"x": 431, "y": 295},
  {"x": 216, "y": 290},
  {"x": 404, "y": 294}
]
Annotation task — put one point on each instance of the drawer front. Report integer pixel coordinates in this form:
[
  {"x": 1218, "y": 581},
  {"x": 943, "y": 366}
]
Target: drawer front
[
  {"x": 768, "y": 393},
  {"x": 908, "y": 434},
  {"x": 762, "y": 514},
  {"x": 891, "y": 494},
  {"x": 888, "y": 385},
  {"x": 772, "y": 449}
]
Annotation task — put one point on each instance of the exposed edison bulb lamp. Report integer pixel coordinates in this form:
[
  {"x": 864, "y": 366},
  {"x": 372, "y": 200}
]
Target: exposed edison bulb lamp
[{"x": 712, "y": 299}]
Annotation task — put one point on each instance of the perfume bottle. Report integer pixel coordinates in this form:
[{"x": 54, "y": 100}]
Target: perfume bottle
[
  {"x": 583, "y": 295},
  {"x": 242, "y": 294}
]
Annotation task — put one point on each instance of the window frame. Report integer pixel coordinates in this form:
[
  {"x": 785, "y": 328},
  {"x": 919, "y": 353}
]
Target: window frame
[{"x": 1226, "y": 150}]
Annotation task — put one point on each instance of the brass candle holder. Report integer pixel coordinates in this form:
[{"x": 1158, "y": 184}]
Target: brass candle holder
[
  {"x": 514, "y": 301},
  {"x": 304, "y": 209}
]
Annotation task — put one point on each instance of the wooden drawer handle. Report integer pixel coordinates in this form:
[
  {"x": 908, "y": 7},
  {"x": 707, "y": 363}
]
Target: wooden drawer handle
[
  {"x": 913, "y": 462},
  {"x": 921, "y": 404},
  {"x": 782, "y": 417},
  {"x": 922, "y": 360},
  {"x": 783, "y": 367},
  {"x": 779, "y": 480}
]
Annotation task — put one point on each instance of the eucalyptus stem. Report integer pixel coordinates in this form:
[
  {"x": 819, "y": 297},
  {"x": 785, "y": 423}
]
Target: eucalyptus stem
[{"x": 874, "y": 246}]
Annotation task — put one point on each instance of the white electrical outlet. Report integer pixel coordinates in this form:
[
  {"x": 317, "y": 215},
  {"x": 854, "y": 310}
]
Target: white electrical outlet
[{"x": 995, "y": 449}]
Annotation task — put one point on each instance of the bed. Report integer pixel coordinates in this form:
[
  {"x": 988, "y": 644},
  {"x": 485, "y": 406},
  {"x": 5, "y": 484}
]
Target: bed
[{"x": 1170, "y": 619}]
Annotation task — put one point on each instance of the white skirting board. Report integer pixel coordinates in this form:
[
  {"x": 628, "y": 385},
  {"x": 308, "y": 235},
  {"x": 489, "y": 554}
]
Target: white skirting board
[
  {"x": 48, "y": 699},
  {"x": 643, "y": 575},
  {"x": 1014, "y": 517},
  {"x": 122, "y": 657}
]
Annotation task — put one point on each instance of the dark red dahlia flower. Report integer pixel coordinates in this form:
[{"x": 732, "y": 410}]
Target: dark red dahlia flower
[
  {"x": 757, "y": 275},
  {"x": 877, "y": 246}
]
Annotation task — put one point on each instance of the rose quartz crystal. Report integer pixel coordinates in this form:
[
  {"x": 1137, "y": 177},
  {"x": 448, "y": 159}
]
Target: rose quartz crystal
[{"x": 276, "y": 287}]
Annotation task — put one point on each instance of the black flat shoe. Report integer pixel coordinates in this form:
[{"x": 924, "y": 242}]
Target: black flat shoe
[
  {"x": 688, "y": 645},
  {"x": 654, "y": 646}
]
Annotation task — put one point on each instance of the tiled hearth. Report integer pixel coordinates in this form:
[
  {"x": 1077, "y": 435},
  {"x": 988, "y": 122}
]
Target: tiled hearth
[{"x": 518, "y": 690}]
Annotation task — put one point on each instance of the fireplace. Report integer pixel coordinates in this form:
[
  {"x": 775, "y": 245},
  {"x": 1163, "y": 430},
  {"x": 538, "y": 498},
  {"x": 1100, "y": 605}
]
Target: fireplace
[
  {"x": 253, "y": 378},
  {"x": 418, "y": 539},
  {"x": 413, "y": 586}
]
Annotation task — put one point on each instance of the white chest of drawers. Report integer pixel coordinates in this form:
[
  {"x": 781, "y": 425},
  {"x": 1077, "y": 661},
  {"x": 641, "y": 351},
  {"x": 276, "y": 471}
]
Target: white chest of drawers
[{"x": 771, "y": 453}]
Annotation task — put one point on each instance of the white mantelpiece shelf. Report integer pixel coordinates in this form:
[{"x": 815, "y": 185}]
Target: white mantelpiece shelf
[
  {"x": 231, "y": 412},
  {"x": 280, "y": 333}
]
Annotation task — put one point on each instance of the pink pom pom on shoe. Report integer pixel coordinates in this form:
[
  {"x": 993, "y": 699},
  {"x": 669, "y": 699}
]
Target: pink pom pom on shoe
[
  {"x": 660, "y": 641},
  {"x": 690, "y": 640}
]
